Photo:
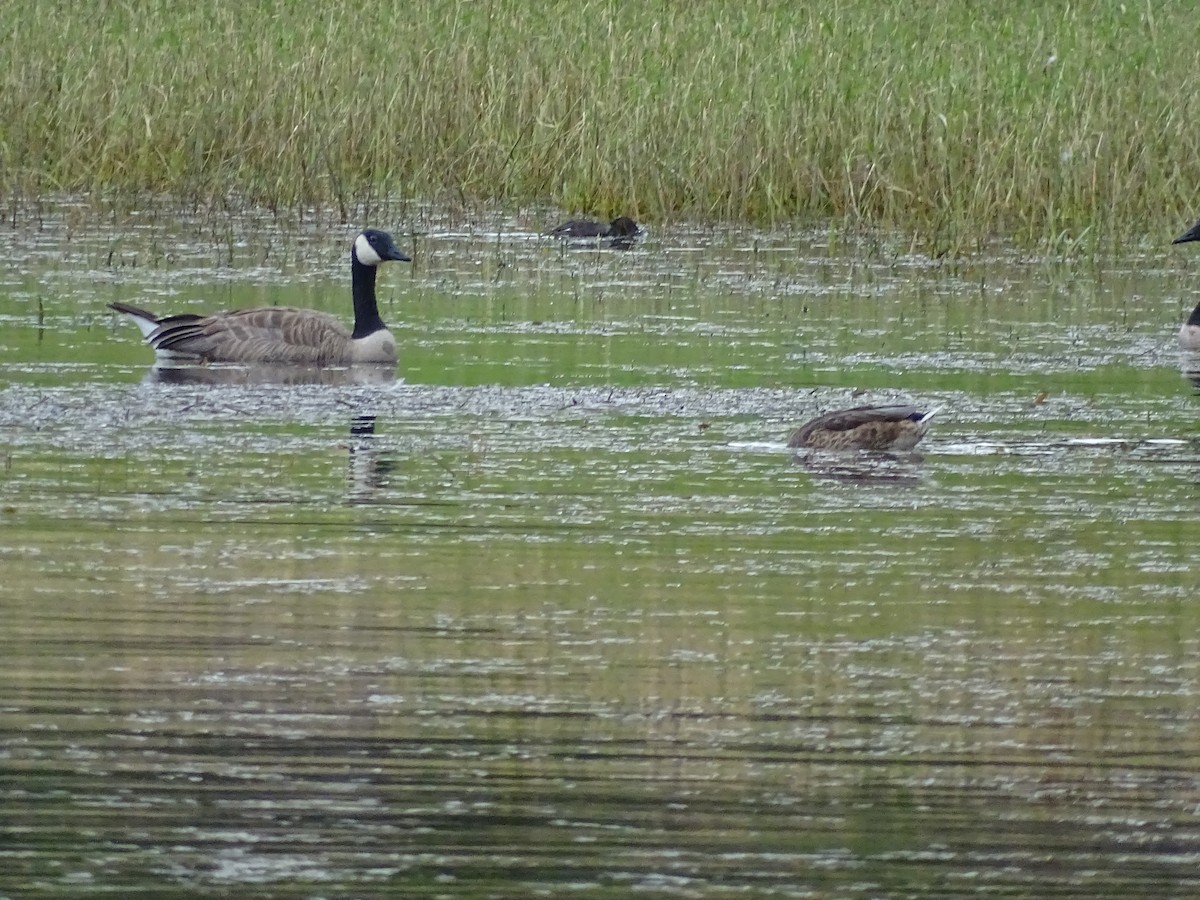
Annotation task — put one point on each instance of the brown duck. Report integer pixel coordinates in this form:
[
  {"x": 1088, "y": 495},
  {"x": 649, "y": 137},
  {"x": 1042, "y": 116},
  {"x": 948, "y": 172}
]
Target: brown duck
[{"x": 898, "y": 428}]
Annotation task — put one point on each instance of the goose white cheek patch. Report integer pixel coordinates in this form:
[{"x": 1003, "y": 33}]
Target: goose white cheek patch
[{"x": 365, "y": 253}]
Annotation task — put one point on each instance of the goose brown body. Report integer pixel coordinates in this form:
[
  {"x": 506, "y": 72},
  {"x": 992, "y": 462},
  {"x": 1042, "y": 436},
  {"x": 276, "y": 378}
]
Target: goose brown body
[
  {"x": 280, "y": 335},
  {"x": 882, "y": 428},
  {"x": 272, "y": 335}
]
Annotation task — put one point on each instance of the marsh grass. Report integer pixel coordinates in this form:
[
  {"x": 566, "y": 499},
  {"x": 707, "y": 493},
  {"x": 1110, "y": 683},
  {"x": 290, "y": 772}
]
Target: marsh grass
[{"x": 952, "y": 122}]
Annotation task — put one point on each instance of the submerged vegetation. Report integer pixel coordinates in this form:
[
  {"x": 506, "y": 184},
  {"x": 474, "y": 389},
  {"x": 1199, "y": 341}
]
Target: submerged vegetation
[{"x": 950, "y": 121}]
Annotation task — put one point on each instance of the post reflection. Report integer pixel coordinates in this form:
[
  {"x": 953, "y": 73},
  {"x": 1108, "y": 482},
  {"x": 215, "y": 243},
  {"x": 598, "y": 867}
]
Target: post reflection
[
  {"x": 368, "y": 469},
  {"x": 1189, "y": 366}
]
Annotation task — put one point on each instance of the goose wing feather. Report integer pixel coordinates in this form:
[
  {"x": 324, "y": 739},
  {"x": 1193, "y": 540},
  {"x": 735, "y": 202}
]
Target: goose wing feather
[{"x": 274, "y": 334}]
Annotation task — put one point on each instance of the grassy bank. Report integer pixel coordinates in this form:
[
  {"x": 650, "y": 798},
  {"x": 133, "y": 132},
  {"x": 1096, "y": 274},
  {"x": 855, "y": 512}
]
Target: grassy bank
[{"x": 946, "y": 120}]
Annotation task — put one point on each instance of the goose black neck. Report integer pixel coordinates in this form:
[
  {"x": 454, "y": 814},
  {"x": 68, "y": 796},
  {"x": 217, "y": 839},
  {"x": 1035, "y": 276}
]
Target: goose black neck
[
  {"x": 1194, "y": 318},
  {"x": 366, "y": 310}
]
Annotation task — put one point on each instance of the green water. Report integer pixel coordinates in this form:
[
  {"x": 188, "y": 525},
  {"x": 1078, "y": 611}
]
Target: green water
[{"x": 556, "y": 613}]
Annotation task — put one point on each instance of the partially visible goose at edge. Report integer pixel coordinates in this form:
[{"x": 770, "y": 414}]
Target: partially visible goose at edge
[
  {"x": 881, "y": 428},
  {"x": 1189, "y": 331},
  {"x": 280, "y": 335},
  {"x": 620, "y": 227}
]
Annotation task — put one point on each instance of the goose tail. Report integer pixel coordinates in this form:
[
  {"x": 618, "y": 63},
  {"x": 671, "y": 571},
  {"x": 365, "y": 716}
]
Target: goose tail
[{"x": 146, "y": 320}]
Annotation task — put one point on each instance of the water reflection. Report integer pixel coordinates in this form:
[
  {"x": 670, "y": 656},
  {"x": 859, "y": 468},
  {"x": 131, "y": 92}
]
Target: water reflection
[
  {"x": 863, "y": 466},
  {"x": 601, "y": 243},
  {"x": 610, "y": 643},
  {"x": 1189, "y": 365},
  {"x": 217, "y": 374},
  {"x": 369, "y": 467}
]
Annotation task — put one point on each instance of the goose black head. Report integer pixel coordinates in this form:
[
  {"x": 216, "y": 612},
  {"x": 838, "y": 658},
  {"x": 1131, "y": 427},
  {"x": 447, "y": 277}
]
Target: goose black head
[
  {"x": 1192, "y": 234},
  {"x": 374, "y": 246}
]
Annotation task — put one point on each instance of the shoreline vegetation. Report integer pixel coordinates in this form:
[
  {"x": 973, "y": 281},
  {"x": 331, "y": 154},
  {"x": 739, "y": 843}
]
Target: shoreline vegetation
[{"x": 1069, "y": 127}]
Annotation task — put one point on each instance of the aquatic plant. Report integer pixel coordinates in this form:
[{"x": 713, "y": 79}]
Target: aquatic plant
[{"x": 950, "y": 122}]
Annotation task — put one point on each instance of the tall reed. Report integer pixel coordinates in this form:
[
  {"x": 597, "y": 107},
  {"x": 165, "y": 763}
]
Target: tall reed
[{"x": 949, "y": 121}]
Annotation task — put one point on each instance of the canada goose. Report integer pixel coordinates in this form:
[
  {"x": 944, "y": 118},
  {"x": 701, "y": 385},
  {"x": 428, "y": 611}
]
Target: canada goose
[
  {"x": 620, "y": 227},
  {"x": 1189, "y": 331},
  {"x": 281, "y": 335},
  {"x": 897, "y": 427}
]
